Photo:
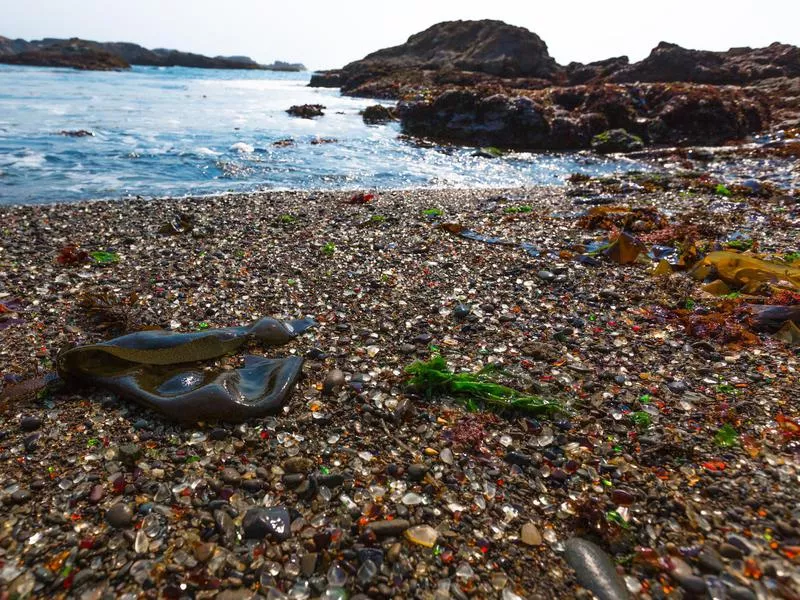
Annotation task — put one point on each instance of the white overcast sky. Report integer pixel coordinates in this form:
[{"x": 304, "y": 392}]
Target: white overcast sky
[{"x": 331, "y": 33}]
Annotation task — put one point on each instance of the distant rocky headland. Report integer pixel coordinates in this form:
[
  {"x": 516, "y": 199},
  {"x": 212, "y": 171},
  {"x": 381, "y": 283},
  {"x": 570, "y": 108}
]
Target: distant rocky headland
[
  {"x": 105, "y": 56},
  {"x": 494, "y": 84}
]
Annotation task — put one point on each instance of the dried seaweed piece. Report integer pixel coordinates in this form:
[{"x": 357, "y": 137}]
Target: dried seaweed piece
[
  {"x": 361, "y": 198},
  {"x": 729, "y": 324},
  {"x": 111, "y": 312},
  {"x": 662, "y": 268},
  {"x": 624, "y": 250},
  {"x": 71, "y": 255},
  {"x": 18, "y": 393},
  {"x": 614, "y": 217},
  {"x": 716, "y": 288}
]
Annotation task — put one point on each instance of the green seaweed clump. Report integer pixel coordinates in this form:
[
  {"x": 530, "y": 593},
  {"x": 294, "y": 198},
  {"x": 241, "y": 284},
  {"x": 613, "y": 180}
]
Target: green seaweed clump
[
  {"x": 726, "y": 436},
  {"x": 104, "y": 258},
  {"x": 434, "y": 378},
  {"x": 722, "y": 190},
  {"x": 641, "y": 419}
]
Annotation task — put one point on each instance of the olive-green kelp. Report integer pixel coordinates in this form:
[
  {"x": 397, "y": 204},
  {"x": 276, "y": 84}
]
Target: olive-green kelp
[{"x": 165, "y": 370}]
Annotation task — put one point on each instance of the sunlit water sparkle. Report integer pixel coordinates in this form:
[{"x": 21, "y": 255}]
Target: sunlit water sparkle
[{"x": 178, "y": 131}]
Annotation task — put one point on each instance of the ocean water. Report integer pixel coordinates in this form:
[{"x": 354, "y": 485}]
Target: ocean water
[{"x": 178, "y": 131}]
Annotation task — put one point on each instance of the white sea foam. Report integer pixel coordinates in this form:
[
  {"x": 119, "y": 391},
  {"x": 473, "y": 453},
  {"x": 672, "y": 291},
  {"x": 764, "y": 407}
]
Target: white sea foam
[
  {"x": 203, "y": 151},
  {"x": 242, "y": 147},
  {"x": 28, "y": 160}
]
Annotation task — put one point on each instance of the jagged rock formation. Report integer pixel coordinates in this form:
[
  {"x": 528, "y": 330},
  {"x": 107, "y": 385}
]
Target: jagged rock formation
[{"x": 488, "y": 83}]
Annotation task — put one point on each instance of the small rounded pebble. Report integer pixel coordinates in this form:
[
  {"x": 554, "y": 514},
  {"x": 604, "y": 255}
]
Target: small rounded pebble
[
  {"x": 29, "y": 423},
  {"x": 119, "y": 515}
]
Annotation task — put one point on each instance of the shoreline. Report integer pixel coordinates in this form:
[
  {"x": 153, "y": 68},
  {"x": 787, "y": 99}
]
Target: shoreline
[{"x": 636, "y": 463}]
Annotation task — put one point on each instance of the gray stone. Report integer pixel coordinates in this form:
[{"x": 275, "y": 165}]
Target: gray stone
[
  {"x": 230, "y": 476},
  {"x": 389, "y": 528},
  {"x": 129, "y": 454},
  {"x": 595, "y": 570},
  {"x": 225, "y": 527},
  {"x": 334, "y": 381},
  {"x": 119, "y": 515}
]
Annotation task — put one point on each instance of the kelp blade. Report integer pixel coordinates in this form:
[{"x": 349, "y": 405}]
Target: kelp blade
[
  {"x": 165, "y": 370},
  {"x": 190, "y": 393},
  {"x": 745, "y": 271}
]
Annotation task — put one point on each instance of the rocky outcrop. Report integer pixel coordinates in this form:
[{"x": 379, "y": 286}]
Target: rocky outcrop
[
  {"x": 489, "y": 47},
  {"x": 75, "y": 54},
  {"x": 280, "y": 65},
  {"x": 484, "y": 46},
  {"x": 326, "y": 79},
  {"x": 579, "y": 73},
  {"x": 485, "y": 83},
  {"x": 738, "y": 66},
  {"x": 616, "y": 140},
  {"x": 492, "y": 52},
  {"x": 377, "y": 114},
  {"x": 569, "y": 118},
  {"x": 87, "y": 54},
  {"x": 9, "y": 46},
  {"x": 176, "y": 58},
  {"x": 306, "y": 111}
]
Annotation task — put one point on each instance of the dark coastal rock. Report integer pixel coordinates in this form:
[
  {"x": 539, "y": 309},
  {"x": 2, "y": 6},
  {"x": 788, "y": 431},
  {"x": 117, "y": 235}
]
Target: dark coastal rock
[
  {"x": 737, "y": 66},
  {"x": 486, "y": 46},
  {"x": 595, "y": 570},
  {"x": 569, "y": 118},
  {"x": 90, "y": 55},
  {"x": 579, "y": 73},
  {"x": 161, "y": 57},
  {"x": 277, "y": 65},
  {"x": 444, "y": 77},
  {"x": 9, "y": 46},
  {"x": 616, "y": 140},
  {"x": 30, "y": 423},
  {"x": 377, "y": 114},
  {"x": 489, "y": 47},
  {"x": 466, "y": 117},
  {"x": 326, "y": 79},
  {"x": 306, "y": 111},
  {"x": 74, "y": 53},
  {"x": 175, "y": 58}
]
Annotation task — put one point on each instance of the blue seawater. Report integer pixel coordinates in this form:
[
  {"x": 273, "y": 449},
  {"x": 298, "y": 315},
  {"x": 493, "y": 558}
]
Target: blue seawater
[{"x": 177, "y": 131}]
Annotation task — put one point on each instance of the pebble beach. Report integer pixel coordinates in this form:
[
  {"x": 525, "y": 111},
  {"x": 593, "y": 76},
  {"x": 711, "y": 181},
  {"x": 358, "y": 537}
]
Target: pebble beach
[{"x": 669, "y": 471}]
